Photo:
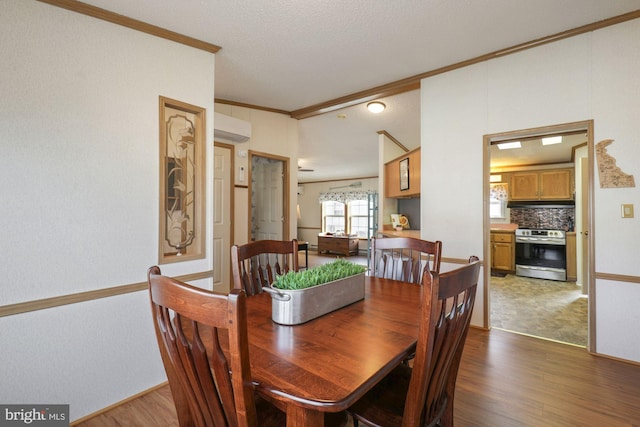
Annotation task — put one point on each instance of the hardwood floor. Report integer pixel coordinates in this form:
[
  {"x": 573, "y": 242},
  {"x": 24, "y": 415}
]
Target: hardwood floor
[{"x": 505, "y": 380}]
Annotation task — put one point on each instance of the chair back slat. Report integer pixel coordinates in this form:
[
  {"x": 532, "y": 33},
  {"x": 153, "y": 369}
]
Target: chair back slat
[
  {"x": 256, "y": 264},
  {"x": 212, "y": 382},
  {"x": 404, "y": 258},
  {"x": 447, "y": 306}
]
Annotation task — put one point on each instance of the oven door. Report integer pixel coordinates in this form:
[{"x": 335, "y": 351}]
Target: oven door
[{"x": 541, "y": 259}]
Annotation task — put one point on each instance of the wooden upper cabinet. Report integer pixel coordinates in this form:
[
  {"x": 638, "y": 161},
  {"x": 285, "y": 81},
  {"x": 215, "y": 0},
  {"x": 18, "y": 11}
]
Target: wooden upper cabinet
[
  {"x": 392, "y": 175},
  {"x": 524, "y": 186},
  {"x": 552, "y": 184},
  {"x": 556, "y": 184},
  {"x": 392, "y": 179}
]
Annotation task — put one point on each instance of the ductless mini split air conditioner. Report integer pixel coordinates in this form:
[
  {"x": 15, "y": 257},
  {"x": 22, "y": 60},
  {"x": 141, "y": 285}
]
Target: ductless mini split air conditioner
[{"x": 227, "y": 128}]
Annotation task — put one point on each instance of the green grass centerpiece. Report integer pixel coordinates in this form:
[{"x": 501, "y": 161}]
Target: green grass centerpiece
[
  {"x": 325, "y": 273},
  {"x": 297, "y": 297}
]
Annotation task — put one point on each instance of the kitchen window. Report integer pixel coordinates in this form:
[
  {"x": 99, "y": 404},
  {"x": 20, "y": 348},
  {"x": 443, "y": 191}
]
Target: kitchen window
[
  {"x": 498, "y": 196},
  {"x": 497, "y": 208}
]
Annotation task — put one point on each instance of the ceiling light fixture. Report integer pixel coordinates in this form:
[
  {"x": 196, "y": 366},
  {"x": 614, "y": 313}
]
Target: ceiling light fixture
[
  {"x": 376, "y": 107},
  {"x": 552, "y": 140},
  {"x": 509, "y": 145}
]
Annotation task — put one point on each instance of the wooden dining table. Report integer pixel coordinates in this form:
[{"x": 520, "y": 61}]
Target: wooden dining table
[{"x": 327, "y": 364}]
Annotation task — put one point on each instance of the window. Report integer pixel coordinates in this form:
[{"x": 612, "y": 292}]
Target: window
[
  {"x": 351, "y": 218},
  {"x": 496, "y": 208},
  {"x": 498, "y": 195},
  {"x": 333, "y": 217},
  {"x": 358, "y": 218}
]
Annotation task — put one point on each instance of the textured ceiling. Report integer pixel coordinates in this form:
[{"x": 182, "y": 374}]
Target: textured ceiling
[{"x": 290, "y": 54}]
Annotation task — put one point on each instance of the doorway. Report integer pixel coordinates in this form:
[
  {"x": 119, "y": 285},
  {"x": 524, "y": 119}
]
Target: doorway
[
  {"x": 584, "y": 192},
  {"x": 223, "y": 202},
  {"x": 268, "y": 197}
]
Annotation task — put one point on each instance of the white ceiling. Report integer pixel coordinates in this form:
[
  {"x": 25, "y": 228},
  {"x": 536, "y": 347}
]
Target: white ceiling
[
  {"x": 533, "y": 152},
  {"x": 290, "y": 54}
]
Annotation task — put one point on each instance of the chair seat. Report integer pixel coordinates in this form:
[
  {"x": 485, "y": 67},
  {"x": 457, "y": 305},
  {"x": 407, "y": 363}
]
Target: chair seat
[{"x": 383, "y": 406}]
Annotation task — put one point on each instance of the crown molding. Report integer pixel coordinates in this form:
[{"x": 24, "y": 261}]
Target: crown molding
[
  {"x": 394, "y": 140},
  {"x": 413, "y": 83},
  {"x": 105, "y": 15},
  {"x": 254, "y": 107}
]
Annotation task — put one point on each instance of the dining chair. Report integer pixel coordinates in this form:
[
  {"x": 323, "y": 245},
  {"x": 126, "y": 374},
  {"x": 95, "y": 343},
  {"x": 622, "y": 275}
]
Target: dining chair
[
  {"x": 256, "y": 264},
  {"x": 404, "y": 258},
  {"x": 423, "y": 395},
  {"x": 211, "y": 384}
]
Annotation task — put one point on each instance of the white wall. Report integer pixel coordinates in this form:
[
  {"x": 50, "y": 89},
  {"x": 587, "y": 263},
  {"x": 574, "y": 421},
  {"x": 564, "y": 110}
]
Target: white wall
[
  {"x": 592, "y": 76},
  {"x": 79, "y": 167},
  {"x": 615, "y": 102},
  {"x": 271, "y": 133}
]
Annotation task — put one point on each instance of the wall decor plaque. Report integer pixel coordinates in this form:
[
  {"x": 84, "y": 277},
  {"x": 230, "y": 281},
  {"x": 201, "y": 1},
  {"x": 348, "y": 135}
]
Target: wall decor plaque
[{"x": 182, "y": 152}]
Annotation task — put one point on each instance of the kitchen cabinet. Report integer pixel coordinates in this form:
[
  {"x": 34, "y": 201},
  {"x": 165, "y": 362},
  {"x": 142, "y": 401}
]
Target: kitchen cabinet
[
  {"x": 503, "y": 251},
  {"x": 572, "y": 266},
  {"x": 392, "y": 173},
  {"x": 551, "y": 184}
]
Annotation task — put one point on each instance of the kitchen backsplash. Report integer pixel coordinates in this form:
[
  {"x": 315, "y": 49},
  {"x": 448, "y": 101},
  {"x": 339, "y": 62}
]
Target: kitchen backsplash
[
  {"x": 411, "y": 209},
  {"x": 545, "y": 218}
]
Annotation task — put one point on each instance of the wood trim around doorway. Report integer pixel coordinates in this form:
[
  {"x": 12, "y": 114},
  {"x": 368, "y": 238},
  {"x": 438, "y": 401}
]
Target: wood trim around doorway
[
  {"x": 286, "y": 202},
  {"x": 587, "y": 126}
]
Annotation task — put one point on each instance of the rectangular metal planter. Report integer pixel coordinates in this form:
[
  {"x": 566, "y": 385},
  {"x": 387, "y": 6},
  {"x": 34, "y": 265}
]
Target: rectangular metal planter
[{"x": 293, "y": 307}]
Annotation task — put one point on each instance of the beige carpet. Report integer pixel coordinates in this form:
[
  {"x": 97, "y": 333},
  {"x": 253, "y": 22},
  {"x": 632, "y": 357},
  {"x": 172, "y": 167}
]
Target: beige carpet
[{"x": 542, "y": 308}]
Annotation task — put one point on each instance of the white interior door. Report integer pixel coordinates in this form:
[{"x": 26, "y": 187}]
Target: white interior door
[
  {"x": 267, "y": 200},
  {"x": 222, "y": 222}
]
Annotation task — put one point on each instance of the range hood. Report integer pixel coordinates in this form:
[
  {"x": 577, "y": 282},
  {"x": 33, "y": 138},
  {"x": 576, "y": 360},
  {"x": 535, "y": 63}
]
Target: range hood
[{"x": 541, "y": 204}]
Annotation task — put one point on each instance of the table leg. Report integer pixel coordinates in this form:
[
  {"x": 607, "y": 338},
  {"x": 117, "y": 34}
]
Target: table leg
[
  {"x": 306, "y": 257},
  {"x": 298, "y": 416}
]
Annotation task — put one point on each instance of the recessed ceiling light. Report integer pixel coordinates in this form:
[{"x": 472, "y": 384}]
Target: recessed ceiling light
[
  {"x": 509, "y": 145},
  {"x": 376, "y": 107},
  {"x": 552, "y": 140}
]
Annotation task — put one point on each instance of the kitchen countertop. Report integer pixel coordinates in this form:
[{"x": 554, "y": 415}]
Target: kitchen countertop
[
  {"x": 503, "y": 227},
  {"x": 404, "y": 233}
]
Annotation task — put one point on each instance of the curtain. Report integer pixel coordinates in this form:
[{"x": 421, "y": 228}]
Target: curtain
[
  {"x": 345, "y": 196},
  {"x": 499, "y": 191}
]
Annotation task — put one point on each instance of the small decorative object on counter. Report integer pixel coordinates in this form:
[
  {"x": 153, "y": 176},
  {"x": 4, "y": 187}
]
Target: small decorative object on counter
[{"x": 399, "y": 220}]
